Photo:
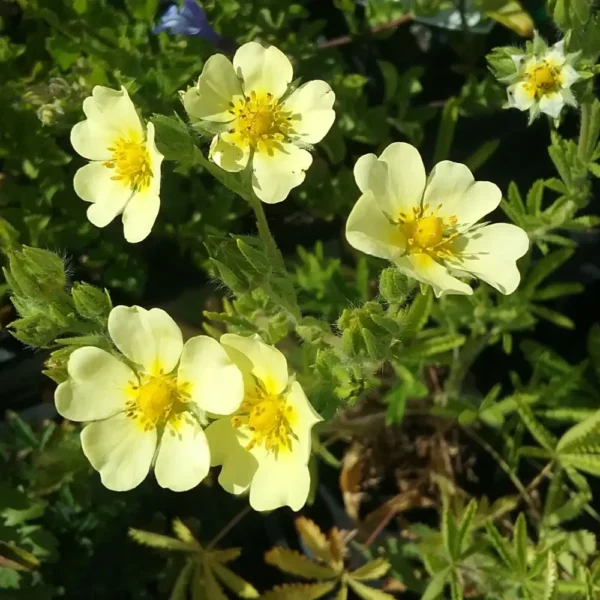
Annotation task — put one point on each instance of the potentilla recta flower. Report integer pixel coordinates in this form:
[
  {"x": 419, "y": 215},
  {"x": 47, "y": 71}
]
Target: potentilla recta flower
[
  {"x": 248, "y": 102},
  {"x": 150, "y": 413},
  {"x": 542, "y": 82},
  {"x": 265, "y": 446},
  {"x": 427, "y": 227},
  {"x": 123, "y": 176}
]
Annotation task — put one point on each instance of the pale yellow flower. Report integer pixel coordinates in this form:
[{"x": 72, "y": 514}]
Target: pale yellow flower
[
  {"x": 151, "y": 414},
  {"x": 265, "y": 446},
  {"x": 427, "y": 227},
  {"x": 123, "y": 176},
  {"x": 247, "y": 100}
]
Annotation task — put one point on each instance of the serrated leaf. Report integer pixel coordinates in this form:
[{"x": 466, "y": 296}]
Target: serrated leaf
[
  {"x": 543, "y": 437},
  {"x": 182, "y": 531},
  {"x": 366, "y": 593},
  {"x": 582, "y": 435},
  {"x": 211, "y": 586},
  {"x": 557, "y": 318},
  {"x": 417, "y": 315},
  {"x": 514, "y": 198},
  {"x": 520, "y": 543},
  {"x": 299, "y": 591},
  {"x": 156, "y": 540},
  {"x": 295, "y": 563},
  {"x": 436, "y": 586},
  {"x": 466, "y": 524},
  {"x": 558, "y": 290},
  {"x": 551, "y": 577},
  {"x": 500, "y": 544},
  {"x": 455, "y": 587},
  {"x": 240, "y": 587},
  {"x": 450, "y": 534},
  {"x": 588, "y": 463},
  {"x": 535, "y": 196},
  {"x": 434, "y": 345},
  {"x": 224, "y": 556},
  {"x": 372, "y": 570},
  {"x": 314, "y": 539}
]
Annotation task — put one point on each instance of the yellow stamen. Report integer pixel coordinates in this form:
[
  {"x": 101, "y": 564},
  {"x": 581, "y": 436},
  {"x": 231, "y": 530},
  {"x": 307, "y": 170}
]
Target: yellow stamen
[{"x": 131, "y": 162}]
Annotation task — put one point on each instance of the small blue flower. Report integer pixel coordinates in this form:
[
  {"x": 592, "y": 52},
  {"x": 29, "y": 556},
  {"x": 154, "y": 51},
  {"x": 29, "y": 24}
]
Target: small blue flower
[{"x": 189, "y": 20}]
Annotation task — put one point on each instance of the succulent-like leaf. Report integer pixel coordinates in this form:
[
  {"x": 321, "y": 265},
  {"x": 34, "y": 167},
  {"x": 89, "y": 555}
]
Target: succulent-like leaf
[
  {"x": 314, "y": 538},
  {"x": 156, "y": 540},
  {"x": 295, "y": 563},
  {"x": 234, "y": 582},
  {"x": 299, "y": 591},
  {"x": 374, "y": 569},
  {"x": 367, "y": 593}
]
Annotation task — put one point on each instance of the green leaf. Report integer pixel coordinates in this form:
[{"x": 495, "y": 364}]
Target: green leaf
[
  {"x": 551, "y": 315},
  {"x": 543, "y": 437},
  {"x": 581, "y": 436},
  {"x": 446, "y": 130},
  {"x": 588, "y": 463},
  {"x": 450, "y": 534},
  {"x": 299, "y": 591},
  {"x": 534, "y": 197},
  {"x": 417, "y": 315},
  {"x": 544, "y": 268},
  {"x": 455, "y": 586},
  {"x": 367, "y": 593},
  {"x": 482, "y": 154},
  {"x": 9, "y": 579},
  {"x": 374, "y": 569},
  {"x": 436, "y": 586},
  {"x": 390, "y": 80},
  {"x": 558, "y": 290},
  {"x": 520, "y": 543},
  {"x": 255, "y": 255},
  {"x": 295, "y": 563},
  {"x": 179, "y": 591},
  {"x": 514, "y": 198},
  {"x": 164, "y": 542},
  {"x": 466, "y": 524},
  {"x": 432, "y": 346},
  {"x": 551, "y": 577},
  {"x": 234, "y": 582},
  {"x": 174, "y": 140},
  {"x": 500, "y": 544}
]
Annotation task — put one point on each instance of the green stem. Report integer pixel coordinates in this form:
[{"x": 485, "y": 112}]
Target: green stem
[
  {"x": 265, "y": 234},
  {"x": 584, "y": 133},
  {"x": 466, "y": 357}
]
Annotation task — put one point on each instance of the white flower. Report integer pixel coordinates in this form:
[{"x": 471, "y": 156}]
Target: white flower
[
  {"x": 266, "y": 445},
  {"x": 542, "y": 82},
  {"x": 124, "y": 173},
  {"x": 149, "y": 415},
  {"x": 427, "y": 227},
  {"x": 248, "y": 100}
]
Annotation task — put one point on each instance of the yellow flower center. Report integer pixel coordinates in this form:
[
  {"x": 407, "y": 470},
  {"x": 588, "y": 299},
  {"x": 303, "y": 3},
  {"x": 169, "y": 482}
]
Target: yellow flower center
[
  {"x": 131, "y": 162},
  {"x": 260, "y": 121},
  {"x": 268, "y": 418},
  {"x": 427, "y": 232},
  {"x": 543, "y": 78},
  {"x": 155, "y": 401}
]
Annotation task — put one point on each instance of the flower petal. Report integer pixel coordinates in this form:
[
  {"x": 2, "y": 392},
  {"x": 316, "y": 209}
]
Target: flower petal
[
  {"x": 239, "y": 465},
  {"x": 277, "y": 484},
  {"x": 263, "y": 69},
  {"x": 307, "y": 417},
  {"x": 91, "y": 140},
  {"x": 139, "y": 217},
  {"x": 552, "y": 104},
  {"x": 369, "y": 230},
  {"x": 490, "y": 253},
  {"x": 114, "y": 110},
  {"x": 521, "y": 96},
  {"x": 150, "y": 338},
  {"x": 397, "y": 179},
  {"x": 95, "y": 388},
  {"x": 423, "y": 268},
  {"x": 120, "y": 450},
  {"x": 93, "y": 183},
  {"x": 217, "y": 87},
  {"x": 452, "y": 191},
  {"x": 227, "y": 154},
  {"x": 183, "y": 459},
  {"x": 311, "y": 104},
  {"x": 213, "y": 381},
  {"x": 254, "y": 357},
  {"x": 275, "y": 173}
]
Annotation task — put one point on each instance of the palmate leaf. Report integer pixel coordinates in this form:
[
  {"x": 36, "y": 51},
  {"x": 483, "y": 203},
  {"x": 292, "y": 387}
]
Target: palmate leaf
[
  {"x": 543, "y": 437},
  {"x": 501, "y": 545},
  {"x": 544, "y": 268},
  {"x": 179, "y": 591},
  {"x": 372, "y": 570},
  {"x": 366, "y": 593},
  {"x": 299, "y": 591},
  {"x": 295, "y": 563},
  {"x": 314, "y": 539},
  {"x": 240, "y": 587},
  {"x": 182, "y": 531},
  {"x": 206, "y": 583},
  {"x": 224, "y": 556},
  {"x": 588, "y": 463}
]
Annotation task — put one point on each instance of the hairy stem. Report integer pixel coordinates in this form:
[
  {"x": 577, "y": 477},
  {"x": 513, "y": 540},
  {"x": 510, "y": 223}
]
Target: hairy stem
[
  {"x": 265, "y": 234},
  {"x": 584, "y": 132}
]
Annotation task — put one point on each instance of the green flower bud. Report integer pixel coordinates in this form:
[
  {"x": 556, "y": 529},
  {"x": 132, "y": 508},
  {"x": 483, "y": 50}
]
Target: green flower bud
[
  {"x": 91, "y": 303},
  {"x": 37, "y": 273},
  {"x": 394, "y": 286}
]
